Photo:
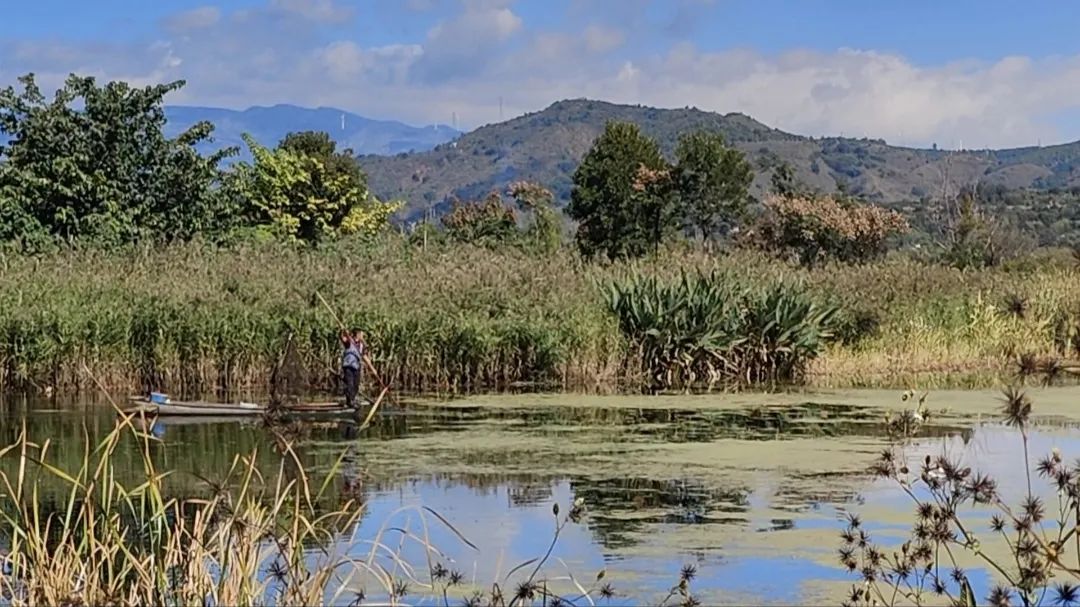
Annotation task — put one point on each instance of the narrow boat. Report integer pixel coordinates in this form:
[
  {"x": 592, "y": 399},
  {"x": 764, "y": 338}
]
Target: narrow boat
[
  {"x": 142, "y": 404},
  {"x": 161, "y": 405}
]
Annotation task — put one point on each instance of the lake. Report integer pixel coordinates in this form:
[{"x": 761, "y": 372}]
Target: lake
[{"x": 750, "y": 489}]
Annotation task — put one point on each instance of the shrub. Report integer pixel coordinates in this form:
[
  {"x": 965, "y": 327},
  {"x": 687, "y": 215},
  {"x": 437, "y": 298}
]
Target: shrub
[
  {"x": 816, "y": 229},
  {"x": 488, "y": 222}
]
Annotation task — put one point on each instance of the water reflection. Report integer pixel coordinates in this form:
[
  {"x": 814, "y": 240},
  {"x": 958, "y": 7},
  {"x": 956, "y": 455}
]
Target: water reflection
[{"x": 724, "y": 487}]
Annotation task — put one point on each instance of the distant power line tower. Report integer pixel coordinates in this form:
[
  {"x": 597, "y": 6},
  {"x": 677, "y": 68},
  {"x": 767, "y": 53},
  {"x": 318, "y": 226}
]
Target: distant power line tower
[{"x": 500, "y": 108}]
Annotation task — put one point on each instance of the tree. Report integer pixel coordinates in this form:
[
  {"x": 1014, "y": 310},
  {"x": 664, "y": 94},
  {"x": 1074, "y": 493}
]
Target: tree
[
  {"x": 93, "y": 165},
  {"x": 317, "y": 144},
  {"x": 973, "y": 239},
  {"x": 306, "y": 190},
  {"x": 713, "y": 182},
  {"x": 621, "y": 195}
]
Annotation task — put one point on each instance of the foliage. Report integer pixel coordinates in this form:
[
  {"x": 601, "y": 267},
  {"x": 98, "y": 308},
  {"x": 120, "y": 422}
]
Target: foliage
[
  {"x": 972, "y": 239},
  {"x": 106, "y": 543},
  {"x": 306, "y": 191},
  {"x": 783, "y": 181},
  {"x": 826, "y": 228},
  {"x": 712, "y": 182},
  {"x": 493, "y": 222},
  {"x": 93, "y": 166},
  {"x": 621, "y": 195},
  {"x": 486, "y": 223},
  {"x": 453, "y": 316},
  {"x": 545, "y": 231},
  {"x": 711, "y": 327}
]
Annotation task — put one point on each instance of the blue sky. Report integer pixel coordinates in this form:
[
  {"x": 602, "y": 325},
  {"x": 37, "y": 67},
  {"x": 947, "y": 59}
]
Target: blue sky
[{"x": 990, "y": 73}]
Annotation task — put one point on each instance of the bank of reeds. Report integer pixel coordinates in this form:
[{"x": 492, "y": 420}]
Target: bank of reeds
[
  {"x": 453, "y": 317},
  {"x": 195, "y": 320}
]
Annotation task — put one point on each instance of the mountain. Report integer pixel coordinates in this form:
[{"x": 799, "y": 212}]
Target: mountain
[
  {"x": 547, "y": 146},
  {"x": 268, "y": 125}
]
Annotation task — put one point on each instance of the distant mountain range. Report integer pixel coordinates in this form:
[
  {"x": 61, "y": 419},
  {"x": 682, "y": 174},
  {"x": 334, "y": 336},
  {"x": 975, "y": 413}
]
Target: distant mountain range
[
  {"x": 428, "y": 166},
  {"x": 547, "y": 146},
  {"x": 268, "y": 125}
]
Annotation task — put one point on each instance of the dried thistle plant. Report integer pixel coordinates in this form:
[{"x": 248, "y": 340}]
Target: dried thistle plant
[{"x": 1042, "y": 541}]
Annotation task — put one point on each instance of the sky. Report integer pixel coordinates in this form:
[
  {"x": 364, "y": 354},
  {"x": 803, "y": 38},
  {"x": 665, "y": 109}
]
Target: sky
[{"x": 958, "y": 73}]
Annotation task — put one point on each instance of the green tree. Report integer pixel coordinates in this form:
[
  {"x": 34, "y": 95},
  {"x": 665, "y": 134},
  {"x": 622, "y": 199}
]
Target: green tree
[
  {"x": 93, "y": 165},
  {"x": 973, "y": 239},
  {"x": 305, "y": 190},
  {"x": 713, "y": 182},
  {"x": 317, "y": 144},
  {"x": 622, "y": 194}
]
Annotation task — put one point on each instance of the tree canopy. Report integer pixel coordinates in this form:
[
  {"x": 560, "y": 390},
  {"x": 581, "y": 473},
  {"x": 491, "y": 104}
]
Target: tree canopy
[
  {"x": 305, "y": 190},
  {"x": 93, "y": 163},
  {"x": 713, "y": 182},
  {"x": 628, "y": 198},
  {"x": 617, "y": 196}
]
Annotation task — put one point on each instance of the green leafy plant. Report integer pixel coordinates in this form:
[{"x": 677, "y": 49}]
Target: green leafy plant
[
  {"x": 710, "y": 326},
  {"x": 305, "y": 191},
  {"x": 93, "y": 166}
]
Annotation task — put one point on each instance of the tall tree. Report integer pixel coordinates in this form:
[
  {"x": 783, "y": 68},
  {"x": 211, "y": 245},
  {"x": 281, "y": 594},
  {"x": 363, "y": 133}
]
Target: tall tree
[
  {"x": 94, "y": 165},
  {"x": 621, "y": 196},
  {"x": 713, "y": 182}
]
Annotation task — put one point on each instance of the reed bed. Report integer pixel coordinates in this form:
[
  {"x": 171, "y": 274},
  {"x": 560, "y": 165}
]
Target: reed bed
[{"x": 192, "y": 319}]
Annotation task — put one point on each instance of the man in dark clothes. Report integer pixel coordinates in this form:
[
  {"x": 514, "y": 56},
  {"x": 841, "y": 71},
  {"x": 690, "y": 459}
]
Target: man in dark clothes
[{"x": 351, "y": 360}]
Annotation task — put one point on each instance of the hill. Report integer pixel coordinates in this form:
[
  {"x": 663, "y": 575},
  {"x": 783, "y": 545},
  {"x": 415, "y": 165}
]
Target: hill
[
  {"x": 268, "y": 125},
  {"x": 547, "y": 146}
]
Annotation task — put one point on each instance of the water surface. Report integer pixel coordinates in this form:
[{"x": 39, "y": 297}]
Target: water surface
[{"x": 751, "y": 489}]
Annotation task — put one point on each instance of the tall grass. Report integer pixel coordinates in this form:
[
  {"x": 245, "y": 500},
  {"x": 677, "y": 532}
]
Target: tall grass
[
  {"x": 194, "y": 320},
  {"x": 105, "y": 542},
  {"x": 191, "y": 319}
]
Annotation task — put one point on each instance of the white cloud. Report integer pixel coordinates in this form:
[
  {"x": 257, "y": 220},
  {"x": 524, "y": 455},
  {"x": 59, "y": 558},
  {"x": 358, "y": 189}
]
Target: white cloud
[
  {"x": 466, "y": 44},
  {"x": 602, "y": 39},
  {"x": 194, "y": 19},
  {"x": 485, "y": 52},
  {"x": 326, "y": 11},
  {"x": 346, "y": 62}
]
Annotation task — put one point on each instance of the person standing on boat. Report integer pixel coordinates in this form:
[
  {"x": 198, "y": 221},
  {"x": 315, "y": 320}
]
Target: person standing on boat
[{"x": 351, "y": 361}]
